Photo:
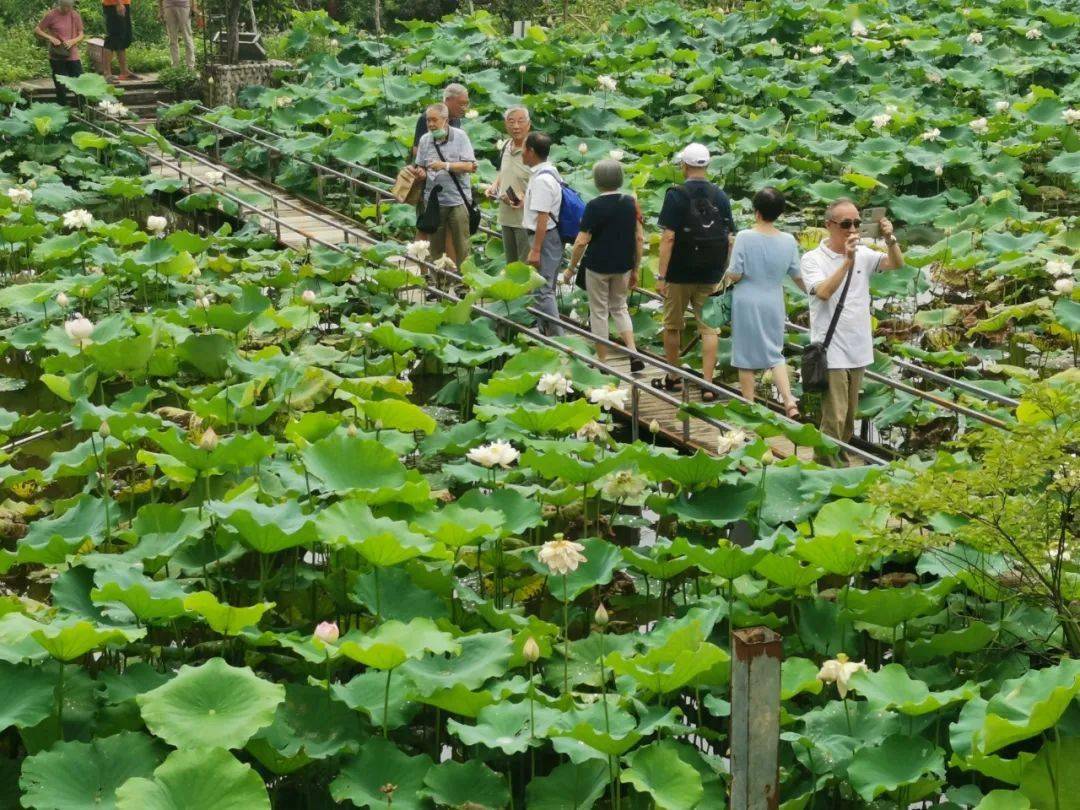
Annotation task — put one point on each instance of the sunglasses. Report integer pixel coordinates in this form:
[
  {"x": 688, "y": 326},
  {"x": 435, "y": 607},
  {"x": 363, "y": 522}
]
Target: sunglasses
[{"x": 847, "y": 224}]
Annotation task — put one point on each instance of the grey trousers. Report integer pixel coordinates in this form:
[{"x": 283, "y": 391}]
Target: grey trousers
[
  {"x": 551, "y": 257},
  {"x": 516, "y": 243}
]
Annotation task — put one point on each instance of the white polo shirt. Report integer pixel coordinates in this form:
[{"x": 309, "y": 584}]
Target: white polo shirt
[
  {"x": 543, "y": 195},
  {"x": 852, "y": 344}
]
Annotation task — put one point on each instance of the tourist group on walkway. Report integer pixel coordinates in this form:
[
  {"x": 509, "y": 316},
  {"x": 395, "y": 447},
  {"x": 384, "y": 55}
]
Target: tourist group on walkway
[{"x": 701, "y": 256}]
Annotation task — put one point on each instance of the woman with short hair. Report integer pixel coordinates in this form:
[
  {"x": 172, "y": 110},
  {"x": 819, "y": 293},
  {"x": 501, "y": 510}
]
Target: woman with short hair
[
  {"x": 609, "y": 247},
  {"x": 62, "y": 28},
  {"x": 761, "y": 257}
]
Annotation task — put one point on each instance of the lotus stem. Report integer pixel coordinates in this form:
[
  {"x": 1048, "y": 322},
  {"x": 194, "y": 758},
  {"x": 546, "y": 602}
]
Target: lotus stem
[
  {"x": 566, "y": 636},
  {"x": 386, "y": 705}
]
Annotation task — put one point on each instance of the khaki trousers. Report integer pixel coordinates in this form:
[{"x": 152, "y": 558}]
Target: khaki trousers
[
  {"x": 516, "y": 243},
  {"x": 841, "y": 402},
  {"x": 453, "y": 225},
  {"x": 607, "y": 299},
  {"x": 178, "y": 24}
]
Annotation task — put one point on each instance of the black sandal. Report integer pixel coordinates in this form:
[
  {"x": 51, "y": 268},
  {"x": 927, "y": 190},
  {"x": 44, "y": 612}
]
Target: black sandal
[
  {"x": 708, "y": 396},
  {"x": 666, "y": 383}
]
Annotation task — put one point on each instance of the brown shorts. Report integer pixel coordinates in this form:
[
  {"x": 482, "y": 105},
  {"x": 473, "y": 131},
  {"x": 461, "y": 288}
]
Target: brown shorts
[{"x": 681, "y": 296}]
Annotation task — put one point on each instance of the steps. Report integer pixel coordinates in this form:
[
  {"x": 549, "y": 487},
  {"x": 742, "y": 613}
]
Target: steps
[{"x": 141, "y": 96}]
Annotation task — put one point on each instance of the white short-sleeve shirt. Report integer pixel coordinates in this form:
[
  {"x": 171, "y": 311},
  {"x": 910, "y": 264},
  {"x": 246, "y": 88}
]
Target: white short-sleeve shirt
[
  {"x": 543, "y": 195},
  {"x": 852, "y": 344}
]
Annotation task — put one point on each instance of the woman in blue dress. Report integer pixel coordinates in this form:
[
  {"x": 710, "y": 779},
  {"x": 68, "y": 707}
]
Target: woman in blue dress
[{"x": 760, "y": 259}]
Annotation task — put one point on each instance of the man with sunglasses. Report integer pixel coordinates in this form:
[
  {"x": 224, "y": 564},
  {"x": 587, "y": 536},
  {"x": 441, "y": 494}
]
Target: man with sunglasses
[{"x": 826, "y": 270}]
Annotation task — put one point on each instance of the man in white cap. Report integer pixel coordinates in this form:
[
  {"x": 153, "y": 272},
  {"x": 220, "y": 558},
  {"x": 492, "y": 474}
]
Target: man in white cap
[{"x": 697, "y": 229}]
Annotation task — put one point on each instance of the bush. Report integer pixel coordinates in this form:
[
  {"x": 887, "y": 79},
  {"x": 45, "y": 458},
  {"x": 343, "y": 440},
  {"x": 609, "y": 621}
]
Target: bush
[
  {"x": 148, "y": 57},
  {"x": 184, "y": 83},
  {"x": 143, "y": 17},
  {"x": 21, "y": 57}
]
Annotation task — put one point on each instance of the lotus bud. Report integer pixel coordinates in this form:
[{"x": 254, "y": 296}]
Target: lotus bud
[
  {"x": 334, "y": 43},
  {"x": 195, "y": 272},
  {"x": 521, "y": 68},
  {"x": 768, "y": 458},
  {"x": 104, "y": 431},
  {"x": 327, "y": 632},
  {"x": 938, "y": 171},
  {"x": 583, "y": 149},
  {"x": 654, "y": 426},
  {"x": 351, "y": 431},
  {"x": 209, "y": 440},
  {"x": 601, "y": 616},
  {"x": 308, "y": 297},
  {"x": 531, "y": 650},
  {"x": 62, "y": 300},
  {"x": 79, "y": 329},
  {"x": 378, "y": 424}
]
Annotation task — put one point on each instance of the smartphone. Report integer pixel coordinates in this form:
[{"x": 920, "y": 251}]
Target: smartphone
[
  {"x": 512, "y": 195},
  {"x": 870, "y": 228}
]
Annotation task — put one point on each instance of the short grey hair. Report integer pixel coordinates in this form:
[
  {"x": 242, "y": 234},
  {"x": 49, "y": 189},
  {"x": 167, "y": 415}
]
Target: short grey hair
[
  {"x": 454, "y": 89},
  {"x": 608, "y": 175},
  {"x": 511, "y": 110},
  {"x": 69, "y": 3},
  {"x": 831, "y": 209},
  {"x": 439, "y": 108}
]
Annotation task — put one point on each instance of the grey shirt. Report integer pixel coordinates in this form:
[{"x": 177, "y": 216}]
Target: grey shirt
[{"x": 456, "y": 149}]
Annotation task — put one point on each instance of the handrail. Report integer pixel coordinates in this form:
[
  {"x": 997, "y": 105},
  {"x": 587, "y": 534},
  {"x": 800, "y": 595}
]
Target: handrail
[
  {"x": 660, "y": 365},
  {"x": 906, "y": 365}
]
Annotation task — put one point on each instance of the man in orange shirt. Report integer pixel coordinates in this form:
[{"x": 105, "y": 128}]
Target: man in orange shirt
[{"x": 117, "y": 38}]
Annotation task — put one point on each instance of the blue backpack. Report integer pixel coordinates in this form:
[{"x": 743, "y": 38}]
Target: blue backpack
[{"x": 570, "y": 212}]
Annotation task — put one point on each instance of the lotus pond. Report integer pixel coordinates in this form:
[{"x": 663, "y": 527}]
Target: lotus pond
[{"x": 297, "y": 535}]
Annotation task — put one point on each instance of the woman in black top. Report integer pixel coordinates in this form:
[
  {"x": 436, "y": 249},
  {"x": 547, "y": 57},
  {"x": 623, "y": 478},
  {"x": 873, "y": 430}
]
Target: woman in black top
[{"x": 609, "y": 247}]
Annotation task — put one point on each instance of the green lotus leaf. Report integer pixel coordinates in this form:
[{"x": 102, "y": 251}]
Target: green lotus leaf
[
  {"x": 564, "y": 417},
  {"x": 607, "y": 743},
  {"x": 85, "y": 776},
  {"x": 222, "y": 618},
  {"x": 689, "y": 472},
  {"x": 394, "y": 414},
  {"x": 519, "y": 513},
  {"x": 682, "y": 658},
  {"x": 602, "y": 560},
  {"x": 456, "y": 526},
  {"x": 976, "y": 636},
  {"x": 1051, "y": 779},
  {"x": 1067, "y": 313},
  {"x": 483, "y": 656},
  {"x": 897, "y": 762},
  {"x": 382, "y": 541},
  {"x": 514, "y": 281},
  {"x": 568, "y": 784},
  {"x": 727, "y": 561},
  {"x": 307, "y": 722},
  {"x": 466, "y": 783},
  {"x": 457, "y": 699},
  {"x": 149, "y": 600},
  {"x": 202, "y": 779},
  {"x": 16, "y": 644},
  {"x": 343, "y": 464},
  {"x": 88, "y": 140},
  {"x": 211, "y": 705},
  {"x": 378, "y": 764},
  {"x": 714, "y": 506},
  {"x": 267, "y": 528},
  {"x": 91, "y": 86},
  {"x": 1028, "y": 705},
  {"x": 29, "y": 697},
  {"x": 892, "y": 687},
  {"x": 838, "y": 554},
  {"x": 503, "y": 726},
  {"x": 799, "y": 675},
  {"x": 367, "y": 692},
  {"x": 161, "y": 529},
  {"x": 1004, "y": 800},
  {"x": 393, "y": 643},
  {"x": 69, "y": 640},
  {"x": 658, "y": 771},
  {"x": 890, "y": 607}
]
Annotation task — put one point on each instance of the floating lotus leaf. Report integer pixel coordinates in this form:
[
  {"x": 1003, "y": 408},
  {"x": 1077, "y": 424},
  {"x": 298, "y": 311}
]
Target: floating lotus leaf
[
  {"x": 202, "y": 779},
  {"x": 211, "y": 705}
]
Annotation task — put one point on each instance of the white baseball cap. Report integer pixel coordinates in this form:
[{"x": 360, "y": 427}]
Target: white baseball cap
[{"x": 694, "y": 154}]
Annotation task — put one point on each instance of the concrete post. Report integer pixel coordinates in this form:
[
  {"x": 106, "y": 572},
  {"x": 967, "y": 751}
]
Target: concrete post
[{"x": 755, "y": 719}]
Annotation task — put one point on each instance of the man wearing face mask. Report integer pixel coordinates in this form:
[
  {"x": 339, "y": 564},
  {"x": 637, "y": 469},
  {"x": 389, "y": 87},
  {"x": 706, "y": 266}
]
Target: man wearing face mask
[
  {"x": 456, "y": 99},
  {"x": 443, "y": 154},
  {"x": 840, "y": 262}
]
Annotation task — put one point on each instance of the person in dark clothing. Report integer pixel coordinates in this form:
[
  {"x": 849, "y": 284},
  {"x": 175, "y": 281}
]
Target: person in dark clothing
[
  {"x": 62, "y": 28},
  {"x": 697, "y": 230},
  {"x": 456, "y": 99}
]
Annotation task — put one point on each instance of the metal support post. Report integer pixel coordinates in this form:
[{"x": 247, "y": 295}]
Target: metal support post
[
  {"x": 635, "y": 395},
  {"x": 755, "y": 719}
]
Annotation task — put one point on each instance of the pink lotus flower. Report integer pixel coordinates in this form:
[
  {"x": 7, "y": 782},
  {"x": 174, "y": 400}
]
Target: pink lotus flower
[{"x": 327, "y": 632}]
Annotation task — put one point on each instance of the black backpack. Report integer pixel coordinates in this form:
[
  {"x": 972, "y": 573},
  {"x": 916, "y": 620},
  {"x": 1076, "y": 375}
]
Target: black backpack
[{"x": 705, "y": 232}]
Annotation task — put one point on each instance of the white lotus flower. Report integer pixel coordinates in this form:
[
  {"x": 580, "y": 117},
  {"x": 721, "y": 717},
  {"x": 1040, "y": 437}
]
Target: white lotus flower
[
  {"x": 975, "y": 38},
  {"x": 501, "y": 454},
  {"x": 654, "y": 426},
  {"x": 418, "y": 250},
  {"x": 445, "y": 263},
  {"x": 471, "y": 114},
  {"x": 521, "y": 68},
  {"x": 773, "y": 41},
  {"x": 78, "y": 218},
  {"x": 731, "y": 440},
  {"x": 209, "y": 440},
  {"x": 881, "y": 120},
  {"x": 609, "y": 397},
  {"x": 79, "y": 329},
  {"x": 1064, "y": 286},
  {"x": 283, "y": 101},
  {"x": 156, "y": 224},
  {"x": 817, "y": 50},
  {"x": 334, "y": 43},
  {"x": 308, "y": 297},
  {"x": 1071, "y": 115},
  {"x": 203, "y": 302},
  {"x": 623, "y": 485},
  {"x": 934, "y": 78},
  {"x": 979, "y": 126},
  {"x": 616, "y": 154},
  {"x": 1001, "y": 106},
  {"x": 561, "y": 556},
  {"x": 606, "y": 83},
  {"x": 593, "y": 431},
  {"x": 1033, "y": 33},
  {"x": 931, "y": 134},
  {"x": 1058, "y": 268},
  {"x": 858, "y": 29},
  {"x": 938, "y": 170},
  {"x": 583, "y": 148},
  {"x": 839, "y": 671},
  {"x": 554, "y": 385},
  {"x": 214, "y": 178},
  {"x": 530, "y": 651},
  {"x": 20, "y": 196},
  {"x": 62, "y": 300},
  {"x": 846, "y": 59}
]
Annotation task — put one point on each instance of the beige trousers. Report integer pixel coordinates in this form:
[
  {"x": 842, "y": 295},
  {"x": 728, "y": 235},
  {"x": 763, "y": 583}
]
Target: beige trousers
[
  {"x": 453, "y": 226},
  {"x": 607, "y": 298},
  {"x": 178, "y": 24},
  {"x": 841, "y": 402}
]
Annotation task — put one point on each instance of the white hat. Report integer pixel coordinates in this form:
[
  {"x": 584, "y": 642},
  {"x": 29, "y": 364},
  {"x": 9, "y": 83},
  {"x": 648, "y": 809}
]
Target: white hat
[{"x": 695, "y": 154}]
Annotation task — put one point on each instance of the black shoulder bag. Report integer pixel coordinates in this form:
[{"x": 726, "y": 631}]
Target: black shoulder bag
[
  {"x": 815, "y": 363},
  {"x": 474, "y": 212}
]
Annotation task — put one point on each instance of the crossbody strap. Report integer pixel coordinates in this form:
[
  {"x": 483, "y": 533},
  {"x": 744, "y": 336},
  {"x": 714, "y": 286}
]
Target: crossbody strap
[
  {"x": 839, "y": 307},
  {"x": 453, "y": 176}
]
